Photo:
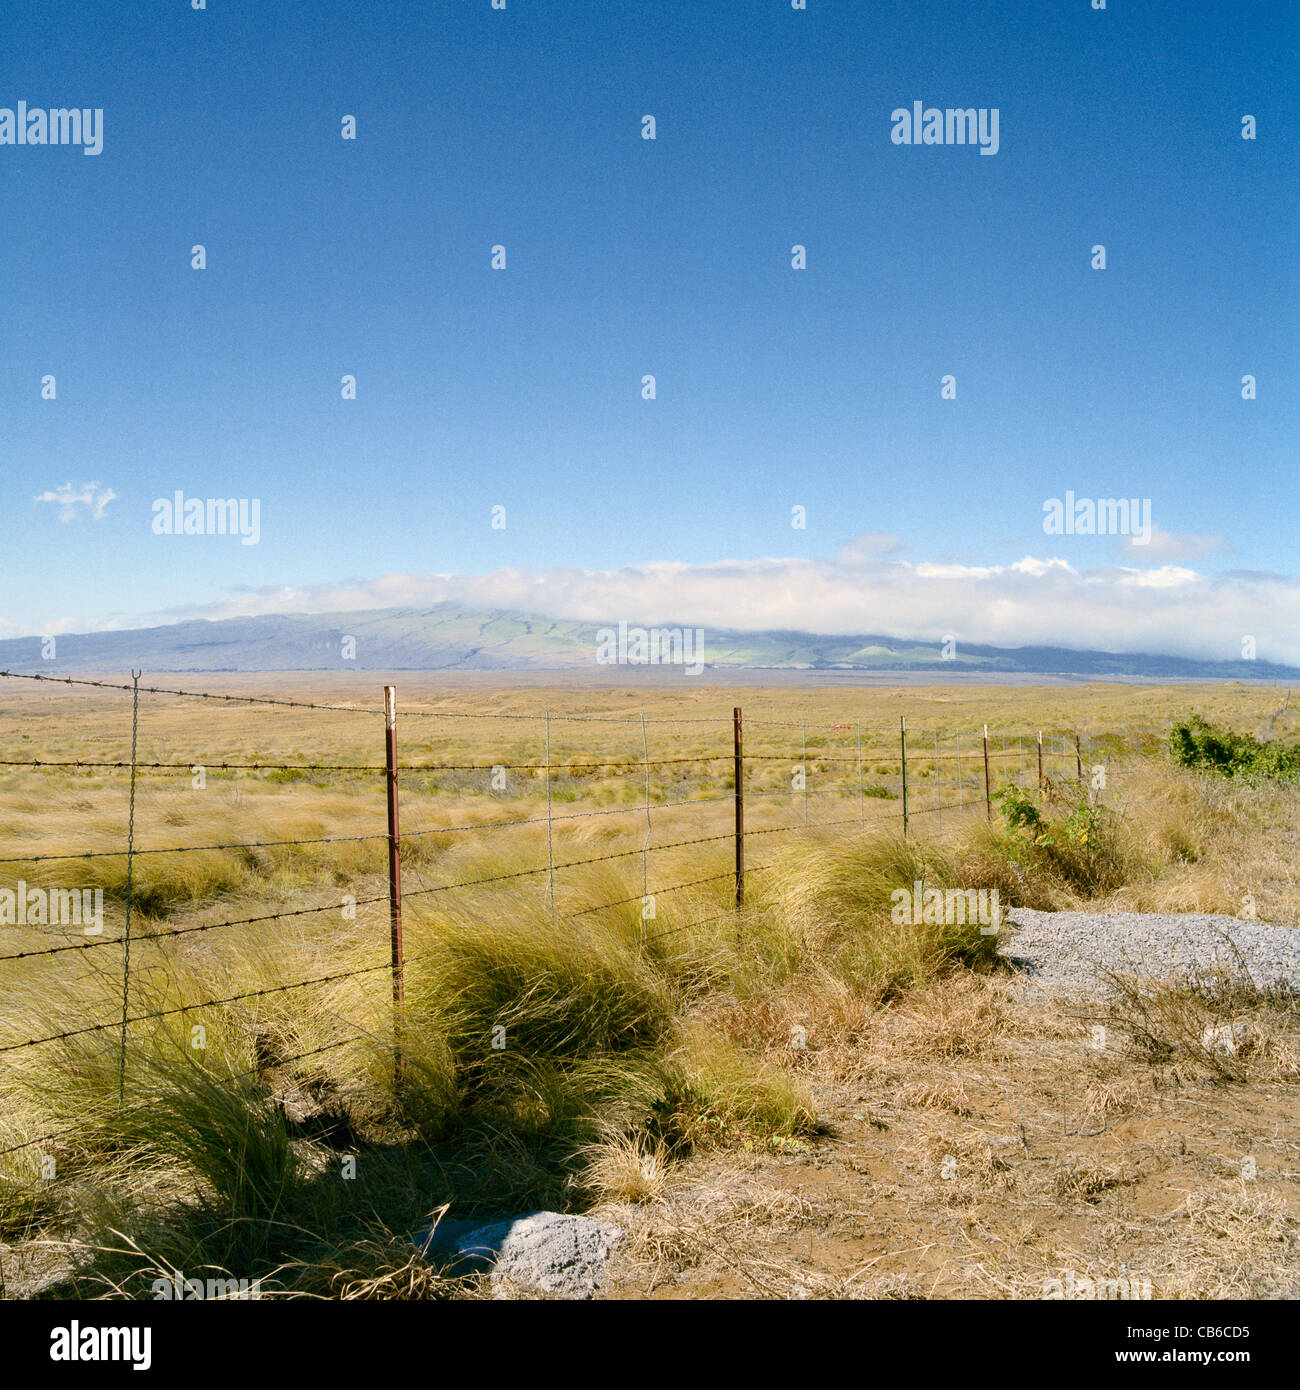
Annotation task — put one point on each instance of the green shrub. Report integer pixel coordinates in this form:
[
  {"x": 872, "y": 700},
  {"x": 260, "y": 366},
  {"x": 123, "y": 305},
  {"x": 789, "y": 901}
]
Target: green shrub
[
  {"x": 1196, "y": 743},
  {"x": 281, "y": 775},
  {"x": 1081, "y": 849}
]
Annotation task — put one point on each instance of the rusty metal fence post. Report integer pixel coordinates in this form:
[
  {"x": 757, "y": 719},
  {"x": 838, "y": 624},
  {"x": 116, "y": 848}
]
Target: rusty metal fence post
[
  {"x": 1078, "y": 758},
  {"x": 738, "y": 751},
  {"x": 1040, "y": 762},
  {"x": 394, "y": 880},
  {"x": 988, "y": 787},
  {"x": 130, "y": 861},
  {"x": 902, "y": 735}
]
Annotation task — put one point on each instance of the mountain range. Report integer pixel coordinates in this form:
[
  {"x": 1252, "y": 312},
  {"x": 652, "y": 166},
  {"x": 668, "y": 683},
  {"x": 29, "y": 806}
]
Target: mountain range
[{"x": 447, "y": 637}]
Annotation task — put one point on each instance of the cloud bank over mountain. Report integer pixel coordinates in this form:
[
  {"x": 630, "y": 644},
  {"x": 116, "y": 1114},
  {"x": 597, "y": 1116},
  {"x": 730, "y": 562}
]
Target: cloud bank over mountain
[{"x": 1168, "y": 608}]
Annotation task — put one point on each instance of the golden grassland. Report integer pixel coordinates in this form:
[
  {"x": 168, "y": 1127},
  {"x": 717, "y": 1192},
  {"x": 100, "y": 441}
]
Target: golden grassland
[{"x": 644, "y": 1062}]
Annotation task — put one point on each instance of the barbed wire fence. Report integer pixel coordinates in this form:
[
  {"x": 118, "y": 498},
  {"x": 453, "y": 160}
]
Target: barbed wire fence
[{"x": 976, "y": 770}]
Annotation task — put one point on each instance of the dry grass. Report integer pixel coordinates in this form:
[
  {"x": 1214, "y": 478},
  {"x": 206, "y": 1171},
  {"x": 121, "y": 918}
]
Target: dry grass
[
  {"x": 937, "y": 1095},
  {"x": 562, "y": 1056},
  {"x": 992, "y": 1176},
  {"x": 1219, "y": 1026},
  {"x": 961, "y": 1018},
  {"x": 625, "y": 1168},
  {"x": 1084, "y": 1178}
]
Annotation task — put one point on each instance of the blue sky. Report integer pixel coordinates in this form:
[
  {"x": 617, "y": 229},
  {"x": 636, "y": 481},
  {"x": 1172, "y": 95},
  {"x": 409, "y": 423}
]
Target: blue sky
[{"x": 522, "y": 387}]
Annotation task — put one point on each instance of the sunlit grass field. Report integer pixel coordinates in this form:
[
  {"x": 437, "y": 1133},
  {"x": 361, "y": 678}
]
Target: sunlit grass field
[{"x": 568, "y": 1033}]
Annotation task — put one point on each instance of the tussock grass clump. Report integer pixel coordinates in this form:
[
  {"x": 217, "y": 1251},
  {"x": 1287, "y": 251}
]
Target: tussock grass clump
[
  {"x": 1107, "y": 1097},
  {"x": 380, "y": 1267},
  {"x": 222, "y": 1129},
  {"x": 801, "y": 976},
  {"x": 625, "y": 1168},
  {"x": 836, "y": 906},
  {"x": 29, "y": 1200},
  {"x": 719, "y": 1095},
  {"x": 543, "y": 1024},
  {"x": 936, "y": 1095},
  {"x": 962, "y": 1160},
  {"x": 572, "y": 1033},
  {"x": 1084, "y": 1179}
]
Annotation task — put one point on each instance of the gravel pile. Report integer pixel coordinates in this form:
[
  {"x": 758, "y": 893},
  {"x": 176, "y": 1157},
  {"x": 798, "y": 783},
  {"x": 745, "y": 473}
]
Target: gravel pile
[
  {"x": 1072, "y": 950},
  {"x": 563, "y": 1256}
]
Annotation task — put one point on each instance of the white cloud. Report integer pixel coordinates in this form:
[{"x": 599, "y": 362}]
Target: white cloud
[
  {"x": 1166, "y": 577},
  {"x": 1035, "y": 601},
  {"x": 68, "y": 498},
  {"x": 870, "y": 545},
  {"x": 1174, "y": 545},
  {"x": 52, "y": 627}
]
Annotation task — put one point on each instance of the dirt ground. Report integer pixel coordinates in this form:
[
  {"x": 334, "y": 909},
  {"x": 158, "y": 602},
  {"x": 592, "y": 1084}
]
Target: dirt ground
[{"x": 987, "y": 1158}]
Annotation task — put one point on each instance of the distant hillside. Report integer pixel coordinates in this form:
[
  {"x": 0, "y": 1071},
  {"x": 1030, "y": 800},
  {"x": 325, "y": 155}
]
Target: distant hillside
[
  {"x": 438, "y": 638},
  {"x": 445, "y": 637}
]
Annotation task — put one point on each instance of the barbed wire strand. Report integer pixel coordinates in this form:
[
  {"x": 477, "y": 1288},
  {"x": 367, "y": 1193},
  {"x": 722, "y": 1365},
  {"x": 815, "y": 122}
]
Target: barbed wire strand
[
  {"x": 201, "y": 1004},
  {"x": 192, "y": 694}
]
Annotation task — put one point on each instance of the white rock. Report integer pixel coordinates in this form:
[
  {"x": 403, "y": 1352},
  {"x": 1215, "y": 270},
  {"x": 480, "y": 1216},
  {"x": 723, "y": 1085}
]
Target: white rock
[{"x": 563, "y": 1256}]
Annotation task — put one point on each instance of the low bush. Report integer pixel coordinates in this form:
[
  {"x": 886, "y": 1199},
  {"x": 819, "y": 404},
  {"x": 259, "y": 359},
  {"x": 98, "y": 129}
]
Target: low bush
[{"x": 1196, "y": 743}]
